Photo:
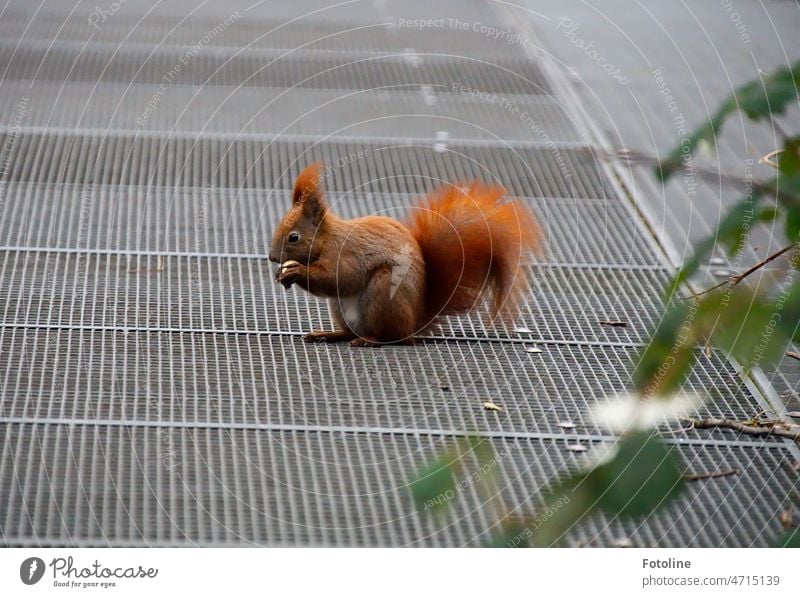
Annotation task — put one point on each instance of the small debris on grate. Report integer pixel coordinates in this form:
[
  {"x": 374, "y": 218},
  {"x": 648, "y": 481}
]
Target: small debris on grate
[
  {"x": 712, "y": 475},
  {"x": 566, "y": 424},
  {"x": 786, "y": 519},
  {"x": 614, "y": 324},
  {"x": 533, "y": 349},
  {"x": 441, "y": 141},
  {"x": 492, "y": 406},
  {"x": 158, "y": 268},
  {"x": 444, "y": 388},
  {"x": 576, "y": 447},
  {"x": 722, "y": 273},
  {"x": 522, "y": 330},
  {"x": 411, "y": 57},
  {"x": 795, "y": 414},
  {"x": 622, "y": 542},
  {"x": 717, "y": 261},
  {"x": 428, "y": 96}
]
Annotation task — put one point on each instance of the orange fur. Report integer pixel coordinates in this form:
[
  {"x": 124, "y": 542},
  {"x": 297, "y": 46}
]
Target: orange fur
[{"x": 472, "y": 242}]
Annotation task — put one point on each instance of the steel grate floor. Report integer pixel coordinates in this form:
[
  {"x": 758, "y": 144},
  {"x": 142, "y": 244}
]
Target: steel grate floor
[
  {"x": 154, "y": 386},
  {"x": 240, "y": 487},
  {"x": 380, "y": 167}
]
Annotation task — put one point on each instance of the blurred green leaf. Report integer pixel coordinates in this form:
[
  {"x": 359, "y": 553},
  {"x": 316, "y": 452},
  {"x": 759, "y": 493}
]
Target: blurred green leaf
[
  {"x": 689, "y": 268},
  {"x": 793, "y": 224},
  {"x": 786, "y": 189},
  {"x": 668, "y": 356},
  {"x": 789, "y": 159},
  {"x": 770, "y": 95},
  {"x": 732, "y": 233},
  {"x": 566, "y": 504},
  {"x": 434, "y": 487},
  {"x": 790, "y": 539},
  {"x": 681, "y": 155},
  {"x": 641, "y": 477},
  {"x": 747, "y": 326},
  {"x": 791, "y": 311},
  {"x": 734, "y": 229},
  {"x": 514, "y": 533},
  {"x": 762, "y": 98}
]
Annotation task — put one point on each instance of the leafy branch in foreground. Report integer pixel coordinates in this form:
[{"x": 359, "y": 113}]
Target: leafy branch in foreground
[{"x": 640, "y": 474}]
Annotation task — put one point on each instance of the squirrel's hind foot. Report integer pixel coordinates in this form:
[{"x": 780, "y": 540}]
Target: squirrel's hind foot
[{"x": 323, "y": 337}]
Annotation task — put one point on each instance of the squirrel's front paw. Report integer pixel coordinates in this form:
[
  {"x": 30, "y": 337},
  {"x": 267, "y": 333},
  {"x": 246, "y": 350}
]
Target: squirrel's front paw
[{"x": 289, "y": 272}]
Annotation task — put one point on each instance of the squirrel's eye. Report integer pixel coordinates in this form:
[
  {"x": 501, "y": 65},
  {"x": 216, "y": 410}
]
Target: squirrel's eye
[{"x": 293, "y": 237}]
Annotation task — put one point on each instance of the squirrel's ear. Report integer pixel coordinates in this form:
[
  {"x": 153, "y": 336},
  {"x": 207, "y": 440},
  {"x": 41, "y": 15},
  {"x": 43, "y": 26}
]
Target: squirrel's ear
[
  {"x": 309, "y": 193},
  {"x": 308, "y": 183}
]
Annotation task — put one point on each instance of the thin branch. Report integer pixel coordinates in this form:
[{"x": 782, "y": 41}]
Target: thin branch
[
  {"x": 714, "y": 475},
  {"x": 794, "y": 355},
  {"x": 632, "y": 156},
  {"x": 734, "y": 280},
  {"x": 778, "y": 428}
]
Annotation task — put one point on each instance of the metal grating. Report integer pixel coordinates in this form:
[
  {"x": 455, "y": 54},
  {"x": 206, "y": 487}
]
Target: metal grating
[
  {"x": 297, "y": 68},
  {"x": 234, "y": 487},
  {"x": 239, "y": 295},
  {"x": 386, "y": 113},
  {"x": 227, "y": 221},
  {"x": 390, "y": 36},
  {"x": 392, "y": 167},
  {"x": 154, "y": 389},
  {"x": 135, "y": 378}
]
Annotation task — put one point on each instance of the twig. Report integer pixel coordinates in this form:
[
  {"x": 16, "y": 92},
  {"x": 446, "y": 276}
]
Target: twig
[
  {"x": 771, "y": 427},
  {"x": 734, "y": 280},
  {"x": 767, "y": 159},
  {"x": 714, "y": 475},
  {"x": 794, "y": 355}
]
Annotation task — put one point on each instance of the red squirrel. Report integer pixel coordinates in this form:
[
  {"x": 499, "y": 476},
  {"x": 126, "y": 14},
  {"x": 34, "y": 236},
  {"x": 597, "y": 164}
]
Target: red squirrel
[{"x": 387, "y": 281}]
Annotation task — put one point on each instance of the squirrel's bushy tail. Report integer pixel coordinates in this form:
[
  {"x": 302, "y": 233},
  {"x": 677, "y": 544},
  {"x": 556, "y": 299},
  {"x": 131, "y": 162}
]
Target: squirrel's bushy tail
[{"x": 473, "y": 240}]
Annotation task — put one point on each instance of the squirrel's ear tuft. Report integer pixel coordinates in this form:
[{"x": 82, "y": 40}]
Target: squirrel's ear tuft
[
  {"x": 308, "y": 183},
  {"x": 308, "y": 192}
]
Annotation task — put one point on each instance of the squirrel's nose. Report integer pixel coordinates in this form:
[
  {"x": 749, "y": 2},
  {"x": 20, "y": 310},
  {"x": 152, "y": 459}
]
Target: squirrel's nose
[{"x": 273, "y": 258}]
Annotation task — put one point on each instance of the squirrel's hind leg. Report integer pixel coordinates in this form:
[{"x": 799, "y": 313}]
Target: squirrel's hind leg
[{"x": 390, "y": 305}]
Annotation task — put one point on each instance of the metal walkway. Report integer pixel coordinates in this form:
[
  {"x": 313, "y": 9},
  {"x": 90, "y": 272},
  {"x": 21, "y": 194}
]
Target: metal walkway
[{"x": 154, "y": 386}]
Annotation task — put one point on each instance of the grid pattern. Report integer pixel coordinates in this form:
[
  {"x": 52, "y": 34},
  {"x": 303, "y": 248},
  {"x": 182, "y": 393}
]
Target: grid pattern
[
  {"x": 240, "y": 221},
  {"x": 236, "y": 487},
  {"x": 238, "y": 295},
  {"x": 388, "y": 113},
  {"x": 245, "y": 379},
  {"x": 154, "y": 387},
  {"x": 391, "y": 36},
  {"x": 301, "y": 68},
  {"x": 379, "y": 167}
]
